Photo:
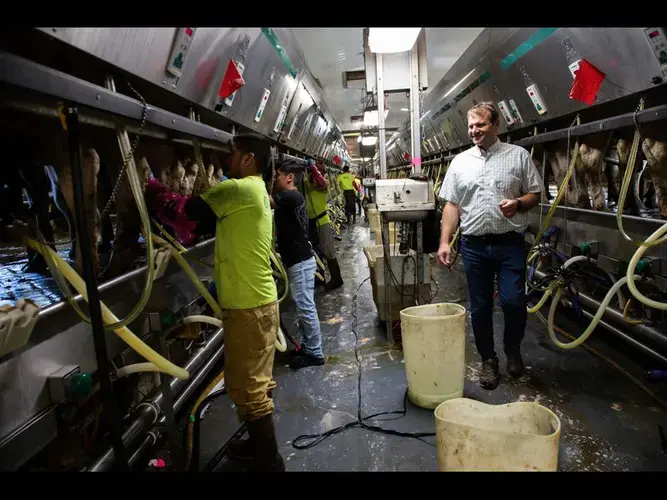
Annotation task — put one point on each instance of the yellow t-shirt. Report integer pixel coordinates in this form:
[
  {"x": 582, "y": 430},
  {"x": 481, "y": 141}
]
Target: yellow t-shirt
[
  {"x": 243, "y": 242},
  {"x": 345, "y": 181},
  {"x": 316, "y": 203}
]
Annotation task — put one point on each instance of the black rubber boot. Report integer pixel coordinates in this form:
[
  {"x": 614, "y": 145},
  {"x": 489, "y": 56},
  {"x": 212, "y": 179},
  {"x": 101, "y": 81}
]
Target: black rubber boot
[
  {"x": 264, "y": 446},
  {"x": 515, "y": 365},
  {"x": 304, "y": 360},
  {"x": 336, "y": 280},
  {"x": 240, "y": 449},
  {"x": 490, "y": 374}
]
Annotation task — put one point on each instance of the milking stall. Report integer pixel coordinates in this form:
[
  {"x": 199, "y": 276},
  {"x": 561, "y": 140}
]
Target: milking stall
[{"x": 118, "y": 346}]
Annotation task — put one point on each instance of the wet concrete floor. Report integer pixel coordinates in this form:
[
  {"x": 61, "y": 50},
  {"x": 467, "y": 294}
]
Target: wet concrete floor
[{"x": 608, "y": 422}]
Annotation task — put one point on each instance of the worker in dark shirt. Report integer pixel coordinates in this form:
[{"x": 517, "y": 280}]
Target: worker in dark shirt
[{"x": 297, "y": 255}]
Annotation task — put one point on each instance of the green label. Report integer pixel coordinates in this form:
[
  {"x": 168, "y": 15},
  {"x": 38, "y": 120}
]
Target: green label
[
  {"x": 533, "y": 41},
  {"x": 273, "y": 39}
]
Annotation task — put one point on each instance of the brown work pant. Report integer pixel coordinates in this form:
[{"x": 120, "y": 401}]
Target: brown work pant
[{"x": 250, "y": 346}]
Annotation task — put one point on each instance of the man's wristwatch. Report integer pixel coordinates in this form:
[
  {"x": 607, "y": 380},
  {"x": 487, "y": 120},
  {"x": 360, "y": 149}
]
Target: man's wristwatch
[{"x": 518, "y": 204}]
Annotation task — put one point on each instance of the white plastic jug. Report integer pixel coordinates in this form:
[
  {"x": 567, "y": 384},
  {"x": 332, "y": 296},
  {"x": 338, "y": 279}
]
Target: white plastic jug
[
  {"x": 434, "y": 338},
  {"x": 475, "y": 436}
]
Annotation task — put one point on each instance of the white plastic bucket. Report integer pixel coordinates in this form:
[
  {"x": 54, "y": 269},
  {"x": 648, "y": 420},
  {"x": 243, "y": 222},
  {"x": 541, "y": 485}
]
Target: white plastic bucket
[
  {"x": 434, "y": 338},
  {"x": 475, "y": 436}
]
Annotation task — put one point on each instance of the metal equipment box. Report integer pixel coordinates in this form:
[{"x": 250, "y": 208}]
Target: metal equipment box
[{"x": 404, "y": 199}]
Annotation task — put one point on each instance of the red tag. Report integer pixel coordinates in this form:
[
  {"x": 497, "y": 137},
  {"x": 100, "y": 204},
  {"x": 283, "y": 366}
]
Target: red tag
[
  {"x": 406, "y": 156},
  {"x": 336, "y": 160},
  {"x": 232, "y": 81},
  {"x": 587, "y": 83}
]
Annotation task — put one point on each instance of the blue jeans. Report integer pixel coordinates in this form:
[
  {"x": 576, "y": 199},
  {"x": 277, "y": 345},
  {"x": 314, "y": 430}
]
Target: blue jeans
[
  {"x": 484, "y": 257},
  {"x": 302, "y": 288}
]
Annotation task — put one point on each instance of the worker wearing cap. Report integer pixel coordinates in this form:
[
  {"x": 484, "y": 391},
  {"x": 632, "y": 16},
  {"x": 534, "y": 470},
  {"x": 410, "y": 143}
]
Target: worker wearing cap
[
  {"x": 316, "y": 190},
  {"x": 246, "y": 290}
]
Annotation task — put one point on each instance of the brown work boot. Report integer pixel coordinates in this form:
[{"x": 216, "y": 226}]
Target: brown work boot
[
  {"x": 490, "y": 374},
  {"x": 514, "y": 362},
  {"x": 264, "y": 446}
]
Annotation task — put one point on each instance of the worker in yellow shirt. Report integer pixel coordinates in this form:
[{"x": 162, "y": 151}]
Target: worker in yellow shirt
[
  {"x": 246, "y": 291},
  {"x": 316, "y": 190},
  {"x": 346, "y": 183}
]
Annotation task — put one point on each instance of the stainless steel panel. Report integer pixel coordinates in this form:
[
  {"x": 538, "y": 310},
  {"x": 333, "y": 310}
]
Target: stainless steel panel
[
  {"x": 141, "y": 51},
  {"x": 21, "y": 72},
  {"x": 623, "y": 54},
  {"x": 28, "y": 440},
  {"x": 145, "y": 52},
  {"x": 263, "y": 70}
]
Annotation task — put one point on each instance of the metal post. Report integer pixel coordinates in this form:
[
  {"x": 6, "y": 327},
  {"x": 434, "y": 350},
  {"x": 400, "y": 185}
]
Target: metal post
[
  {"x": 414, "y": 109},
  {"x": 419, "y": 277},
  {"x": 388, "y": 285},
  {"x": 381, "y": 136},
  {"x": 110, "y": 413}
]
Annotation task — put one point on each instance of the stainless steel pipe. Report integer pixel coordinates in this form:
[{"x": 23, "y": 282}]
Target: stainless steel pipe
[
  {"x": 148, "y": 413},
  {"x": 647, "y": 333}
]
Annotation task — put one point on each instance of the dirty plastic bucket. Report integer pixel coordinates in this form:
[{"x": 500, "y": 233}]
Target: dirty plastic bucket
[
  {"x": 475, "y": 436},
  {"x": 434, "y": 338}
]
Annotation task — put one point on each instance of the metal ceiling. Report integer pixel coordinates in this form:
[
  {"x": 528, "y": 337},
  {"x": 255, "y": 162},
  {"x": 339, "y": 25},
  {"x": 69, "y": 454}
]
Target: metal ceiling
[{"x": 329, "y": 52}]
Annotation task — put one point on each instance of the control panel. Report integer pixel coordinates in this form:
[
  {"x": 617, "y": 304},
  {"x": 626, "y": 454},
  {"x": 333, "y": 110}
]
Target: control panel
[
  {"x": 536, "y": 98},
  {"x": 515, "y": 111},
  {"x": 178, "y": 54},
  {"x": 502, "y": 106},
  {"x": 658, "y": 41},
  {"x": 262, "y": 105},
  {"x": 574, "y": 67}
]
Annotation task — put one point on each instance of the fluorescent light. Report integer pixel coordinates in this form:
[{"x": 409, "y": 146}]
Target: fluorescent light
[
  {"x": 369, "y": 141},
  {"x": 391, "y": 40},
  {"x": 405, "y": 109},
  {"x": 459, "y": 83}
]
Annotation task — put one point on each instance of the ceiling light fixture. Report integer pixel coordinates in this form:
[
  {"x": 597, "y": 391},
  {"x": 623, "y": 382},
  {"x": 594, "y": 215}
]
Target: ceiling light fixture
[
  {"x": 371, "y": 117},
  {"x": 369, "y": 140},
  {"x": 391, "y": 40}
]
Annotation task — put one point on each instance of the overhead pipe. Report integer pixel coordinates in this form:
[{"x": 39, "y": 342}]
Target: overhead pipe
[
  {"x": 647, "y": 333},
  {"x": 147, "y": 414}
]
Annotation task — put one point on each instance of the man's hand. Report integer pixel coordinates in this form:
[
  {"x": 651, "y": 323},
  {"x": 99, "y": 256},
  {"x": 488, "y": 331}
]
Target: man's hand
[
  {"x": 444, "y": 253},
  {"x": 508, "y": 208}
]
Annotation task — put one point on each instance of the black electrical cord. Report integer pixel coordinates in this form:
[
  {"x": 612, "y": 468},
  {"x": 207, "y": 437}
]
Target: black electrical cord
[{"x": 315, "y": 439}]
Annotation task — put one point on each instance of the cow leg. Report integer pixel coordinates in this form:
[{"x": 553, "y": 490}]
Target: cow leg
[
  {"x": 590, "y": 162},
  {"x": 656, "y": 156},
  {"x": 90, "y": 168}
]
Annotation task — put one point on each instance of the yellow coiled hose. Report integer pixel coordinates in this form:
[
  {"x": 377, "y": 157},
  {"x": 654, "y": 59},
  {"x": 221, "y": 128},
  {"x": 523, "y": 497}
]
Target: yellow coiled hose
[
  {"x": 138, "y": 193},
  {"x": 159, "y": 362}
]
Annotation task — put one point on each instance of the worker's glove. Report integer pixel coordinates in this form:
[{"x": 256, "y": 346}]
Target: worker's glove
[
  {"x": 170, "y": 209},
  {"x": 152, "y": 189}
]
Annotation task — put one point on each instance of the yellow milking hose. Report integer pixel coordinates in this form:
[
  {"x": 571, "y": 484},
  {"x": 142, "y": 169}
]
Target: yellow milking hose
[
  {"x": 625, "y": 185},
  {"x": 281, "y": 343},
  {"x": 160, "y": 363},
  {"x": 545, "y": 223},
  {"x": 138, "y": 193}
]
